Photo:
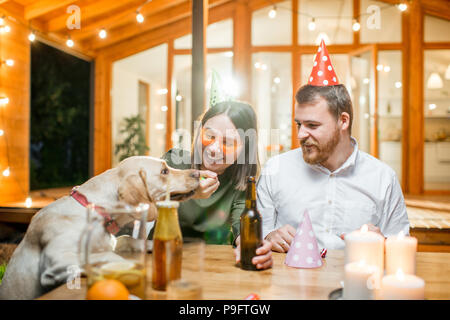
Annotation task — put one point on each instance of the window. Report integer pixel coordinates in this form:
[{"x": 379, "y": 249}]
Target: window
[
  {"x": 149, "y": 67},
  {"x": 334, "y": 30},
  {"x": 272, "y": 100},
  {"x": 387, "y": 29},
  {"x": 436, "y": 29},
  {"x": 437, "y": 119},
  {"x": 275, "y": 29}
]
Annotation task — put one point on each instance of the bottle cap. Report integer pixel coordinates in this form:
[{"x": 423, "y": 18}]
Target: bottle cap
[{"x": 167, "y": 204}]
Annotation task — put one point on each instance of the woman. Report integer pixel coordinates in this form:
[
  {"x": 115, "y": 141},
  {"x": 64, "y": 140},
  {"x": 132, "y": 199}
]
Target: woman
[{"x": 225, "y": 152}]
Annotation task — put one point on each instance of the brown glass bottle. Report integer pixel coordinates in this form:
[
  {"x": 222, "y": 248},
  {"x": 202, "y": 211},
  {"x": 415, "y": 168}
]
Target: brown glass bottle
[
  {"x": 251, "y": 227},
  {"x": 167, "y": 246}
]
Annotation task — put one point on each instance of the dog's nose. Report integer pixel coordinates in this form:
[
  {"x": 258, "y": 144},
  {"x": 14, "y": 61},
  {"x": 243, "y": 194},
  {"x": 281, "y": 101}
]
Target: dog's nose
[{"x": 195, "y": 174}]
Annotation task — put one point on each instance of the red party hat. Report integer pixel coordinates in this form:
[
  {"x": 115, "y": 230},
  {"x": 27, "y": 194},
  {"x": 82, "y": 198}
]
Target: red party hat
[{"x": 323, "y": 73}]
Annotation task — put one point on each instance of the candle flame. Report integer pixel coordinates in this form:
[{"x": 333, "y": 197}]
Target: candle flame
[
  {"x": 364, "y": 228},
  {"x": 361, "y": 263},
  {"x": 401, "y": 235},
  {"x": 400, "y": 275}
]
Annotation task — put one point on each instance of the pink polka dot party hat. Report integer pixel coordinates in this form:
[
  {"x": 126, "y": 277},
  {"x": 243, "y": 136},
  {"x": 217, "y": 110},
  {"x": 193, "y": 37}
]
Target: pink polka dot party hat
[
  {"x": 304, "y": 251},
  {"x": 323, "y": 73}
]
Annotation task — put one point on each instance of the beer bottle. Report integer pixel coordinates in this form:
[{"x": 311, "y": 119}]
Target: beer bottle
[
  {"x": 251, "y": 227},
  {"x": 167, "y": 246}
]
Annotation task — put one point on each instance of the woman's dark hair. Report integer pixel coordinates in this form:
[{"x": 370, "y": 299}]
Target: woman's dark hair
[{"x": 243, "y": 117}]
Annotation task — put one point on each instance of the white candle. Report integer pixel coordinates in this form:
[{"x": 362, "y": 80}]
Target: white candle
[
  {"x": 401, "y": 254},
  {"x": 402, "y": 287},
  {"x": 364, "y": 245},
  {"x": 360, "y": 281}
]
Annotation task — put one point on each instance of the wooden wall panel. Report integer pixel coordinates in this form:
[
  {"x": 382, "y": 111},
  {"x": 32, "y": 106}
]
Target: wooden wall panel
[{"x": 15, "y": 116}]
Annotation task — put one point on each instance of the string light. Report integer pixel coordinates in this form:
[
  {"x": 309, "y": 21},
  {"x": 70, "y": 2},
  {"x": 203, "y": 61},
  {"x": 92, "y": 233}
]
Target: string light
[
  {"x": 178, "y": 98},
  {"x": 28, "y": 202},
  {"x": 1, "y": 132},
  {"x": 273, "y": 12},
  {"x": 356, "y": 26},
  {"x": 32, "y": 36},
  {"x": 2, "y": 21},
  {"x": 102, "y": 34},
  {"x": 312, "y": 25},
  {"x": 69, "y": 42},
  {"x": 402, "y": 7},
  {"x": 4, "y": 100},
  {"x": 9, "y": 62},
  {"x": 6, "y": 172},
  {"x": 139, "y": 17}
]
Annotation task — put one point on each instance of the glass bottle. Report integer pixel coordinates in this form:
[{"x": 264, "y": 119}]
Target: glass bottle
[
  {"x": 251, "y": 227},
  {"x": 167, "y": 246}
]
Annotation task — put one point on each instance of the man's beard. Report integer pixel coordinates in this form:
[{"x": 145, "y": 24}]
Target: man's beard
[{"x": 321, "y": 152}]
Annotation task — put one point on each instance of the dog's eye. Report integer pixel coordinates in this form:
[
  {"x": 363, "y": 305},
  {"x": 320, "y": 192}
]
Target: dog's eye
[{"x": 165, "y": 171}]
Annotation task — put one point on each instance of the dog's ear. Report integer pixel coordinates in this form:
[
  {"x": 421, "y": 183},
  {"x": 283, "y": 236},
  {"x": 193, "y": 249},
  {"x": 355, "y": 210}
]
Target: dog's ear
[{"x": 133, "y": 191}]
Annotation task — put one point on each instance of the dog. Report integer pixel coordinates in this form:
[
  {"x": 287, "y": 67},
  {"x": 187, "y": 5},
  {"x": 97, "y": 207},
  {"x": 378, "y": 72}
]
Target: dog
[{"x": 50, "y": 245}]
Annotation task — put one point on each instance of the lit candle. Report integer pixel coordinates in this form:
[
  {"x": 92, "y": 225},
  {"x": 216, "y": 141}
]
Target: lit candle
[
  {"x": 360, "y": 281},
  {"x": 401, "y": 254},
  {"x": 402, "y": 287},
  {"x": 365, "y": 245}
]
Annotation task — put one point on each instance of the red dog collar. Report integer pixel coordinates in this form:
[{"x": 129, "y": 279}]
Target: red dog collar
[{"x": 110, "y": 224}]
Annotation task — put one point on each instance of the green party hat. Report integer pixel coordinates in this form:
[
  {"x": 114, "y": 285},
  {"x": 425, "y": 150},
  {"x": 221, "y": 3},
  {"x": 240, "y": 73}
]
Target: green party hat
[{"x": 216, "y": 93}]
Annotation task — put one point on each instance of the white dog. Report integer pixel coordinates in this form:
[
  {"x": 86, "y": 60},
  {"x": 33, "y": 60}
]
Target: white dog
[{"x": 50, "y": 246}]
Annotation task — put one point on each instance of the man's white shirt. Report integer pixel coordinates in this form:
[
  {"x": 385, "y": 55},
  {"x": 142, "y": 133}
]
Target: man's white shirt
[{"x": 363, "y": 190}]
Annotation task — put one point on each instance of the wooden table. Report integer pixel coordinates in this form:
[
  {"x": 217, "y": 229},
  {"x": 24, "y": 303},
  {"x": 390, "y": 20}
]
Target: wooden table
[{"x": 223, "y": 280}]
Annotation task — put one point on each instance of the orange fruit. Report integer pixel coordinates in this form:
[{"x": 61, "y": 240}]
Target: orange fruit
[{"x": 108, "y": 290}]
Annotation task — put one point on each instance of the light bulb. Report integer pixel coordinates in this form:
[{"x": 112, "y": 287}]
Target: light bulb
[
  {"x": 1, "y": 132},
  {"x": 6, "y": 172},
  {"x": 356, "y": 26},
  {"x": 277, "y": 80},
  {"x": 387, "y": 68},
  {"x": 178, "y": 98},
  {"x": 398, "y": 84},
  {"x": 9, "y": 62},
  {"x": 379, "y": 67},
  {"x": 28, "y": 202},
  {"x": 102, "y": 34},
  {"x": 4, "y": 100},
  {"x": 162, "y": 91},
  {"x": 2, "y": 21},
  {"x": 312, "y": 25},
  {"x": 139, "y": 17},
  {"x": 164, "y": 108},
  {"x": 402, "y": 7},
  {"x": 69, "y": 43},
  {"x": 32, "y": 37},
  {"x": 7, "y": 29},
  {"x": 273, "y": 13}
]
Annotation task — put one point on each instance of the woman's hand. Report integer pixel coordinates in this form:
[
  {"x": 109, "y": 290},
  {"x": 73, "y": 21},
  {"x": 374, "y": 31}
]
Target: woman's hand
[
  {"x": 208, "y": 184},
  {"x": 263, "y": 258}
]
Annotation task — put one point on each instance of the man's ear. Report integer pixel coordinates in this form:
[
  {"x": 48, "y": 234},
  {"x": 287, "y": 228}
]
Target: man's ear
[
  {"x": 133, "y": 191},
  {"x": 344, "y": 121}
]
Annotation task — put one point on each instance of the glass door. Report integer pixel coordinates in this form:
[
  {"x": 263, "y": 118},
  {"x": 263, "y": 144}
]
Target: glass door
[{"x": 363, "y": 90}]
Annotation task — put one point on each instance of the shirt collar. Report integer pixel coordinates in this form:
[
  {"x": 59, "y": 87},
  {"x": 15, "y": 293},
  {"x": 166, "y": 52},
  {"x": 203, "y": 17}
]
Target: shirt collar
[{"x": 350, "y": 162}]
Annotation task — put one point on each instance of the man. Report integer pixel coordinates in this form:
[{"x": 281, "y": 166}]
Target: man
[{"x": 341, "y": 187}]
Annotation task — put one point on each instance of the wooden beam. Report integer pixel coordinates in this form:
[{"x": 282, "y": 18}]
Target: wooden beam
[
  {"x": 90, "y": 11},
  {"x": 125, "y": 16},
  {"x": 39, "y": 8},
  {"x": 356, "y": 13},
  {"x": 199, "y": 25},
  {"x": 242, "y": 58},
  {"x": 405, "y": 102},
  {"x": 416, "y": 95},
  {"x": 296, "y": 73},
  {"x": 438, "y": 8},
  {"x": 170, "y": 113}
]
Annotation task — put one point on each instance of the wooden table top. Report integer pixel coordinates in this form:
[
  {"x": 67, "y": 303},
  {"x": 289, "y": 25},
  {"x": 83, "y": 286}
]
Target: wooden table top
[{"x": 221, "y": 279}]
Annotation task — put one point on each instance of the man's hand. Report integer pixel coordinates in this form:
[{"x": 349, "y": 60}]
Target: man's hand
[
  {"x": 263, "y": 258},
  {"x": 281, "y": 238},
  {"x": 370, "y": 227},
  {"x": 208, "y": 184}
]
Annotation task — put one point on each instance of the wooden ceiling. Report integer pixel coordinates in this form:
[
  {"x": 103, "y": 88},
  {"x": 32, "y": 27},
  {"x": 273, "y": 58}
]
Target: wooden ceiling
[{"x": 117, "y": 17}]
